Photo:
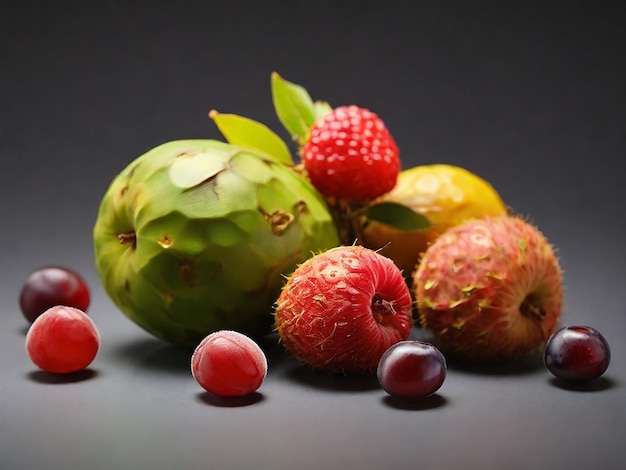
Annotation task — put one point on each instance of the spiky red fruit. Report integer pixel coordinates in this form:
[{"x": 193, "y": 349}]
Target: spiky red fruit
[
  {"x": 342, "y": 309},
  {"x": 490, "y": 289},
  {"x": 351, "y": 155}
]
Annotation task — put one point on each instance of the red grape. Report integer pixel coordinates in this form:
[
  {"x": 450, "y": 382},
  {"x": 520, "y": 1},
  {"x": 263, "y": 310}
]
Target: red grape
[
  {"x": 51, "y": 286},
  {"x": 230, "y": 364},
  {"x": 412, "y": 369},
  {"x": 62, "y": 340},
  {"x": 577, "y": 353}
]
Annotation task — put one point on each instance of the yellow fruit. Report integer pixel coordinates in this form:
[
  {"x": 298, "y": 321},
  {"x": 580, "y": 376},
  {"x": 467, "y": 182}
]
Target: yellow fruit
[{"x": 446, "y": 195}]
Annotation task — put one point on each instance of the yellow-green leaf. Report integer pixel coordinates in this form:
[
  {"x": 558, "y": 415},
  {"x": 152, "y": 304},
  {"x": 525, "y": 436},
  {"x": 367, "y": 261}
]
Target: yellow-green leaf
[
  {"x": 253, "y": 135},
  {"x": 294, "y": 107},
  {"x": 322, "y": 108}
]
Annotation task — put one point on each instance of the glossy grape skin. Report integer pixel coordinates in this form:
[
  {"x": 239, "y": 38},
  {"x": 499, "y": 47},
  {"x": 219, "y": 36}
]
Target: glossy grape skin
[
  {"x": 229, "y": 364},
  {"x": 412, "y": 370},
  {"x": 52, "y": 286},
  {"x": 62, "y": 340},
  {"x": 577, "y": 354}
]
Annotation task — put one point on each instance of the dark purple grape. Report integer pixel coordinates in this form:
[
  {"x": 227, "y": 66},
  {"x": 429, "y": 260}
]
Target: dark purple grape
[
  {"x": 412, "y": 369},
  {"x": 51, "y": 286},
  {"x": 577, "y": 353}
]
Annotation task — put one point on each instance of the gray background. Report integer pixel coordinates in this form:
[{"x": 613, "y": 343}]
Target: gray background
[{"x": 531, "y": 96}]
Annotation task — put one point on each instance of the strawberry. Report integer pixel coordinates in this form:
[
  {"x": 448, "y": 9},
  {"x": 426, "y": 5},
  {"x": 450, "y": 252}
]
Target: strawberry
[{"x": 351, "y": 155}]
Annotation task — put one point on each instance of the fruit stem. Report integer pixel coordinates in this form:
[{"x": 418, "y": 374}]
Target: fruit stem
[
  {"x": 348, "y": 219},
  {"x": 530, "y": 307},
  {"x": 382, "y": 307},
  {"x": 348, "y": 215},
  {"x": 128, "y": 237}
]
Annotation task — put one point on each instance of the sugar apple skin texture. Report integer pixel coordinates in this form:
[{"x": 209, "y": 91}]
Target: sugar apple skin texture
[{"x": 197, "y": 235}]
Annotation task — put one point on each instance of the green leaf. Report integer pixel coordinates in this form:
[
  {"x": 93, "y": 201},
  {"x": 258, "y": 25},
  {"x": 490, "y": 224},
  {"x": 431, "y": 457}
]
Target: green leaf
[
  {"x": 294, "y": 107},
  {"x": 252, "y": 135},
  {"x": 397, "y": 216},
  {"x": 321, "y": 108}
]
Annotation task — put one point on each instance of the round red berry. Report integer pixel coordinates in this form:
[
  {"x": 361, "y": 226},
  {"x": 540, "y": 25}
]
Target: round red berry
[
  {"x": 229, "y": 364},
  {"x": 351, "y": 155},
  {"x": 412, "y": 369},
  {"x": 577, "y": 354},
  {"x": 51, "y": 286},
  {"x": 62, "y": 340}
]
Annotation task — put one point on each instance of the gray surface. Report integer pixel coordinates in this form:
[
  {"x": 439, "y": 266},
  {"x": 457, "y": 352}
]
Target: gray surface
[{"x": 531, "y": 98}]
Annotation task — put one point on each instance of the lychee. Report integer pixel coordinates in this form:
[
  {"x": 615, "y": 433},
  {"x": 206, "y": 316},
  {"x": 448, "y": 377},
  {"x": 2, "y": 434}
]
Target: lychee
[
  {"x": 490, "y": 289},
  {"x": 342, "y": 309}
]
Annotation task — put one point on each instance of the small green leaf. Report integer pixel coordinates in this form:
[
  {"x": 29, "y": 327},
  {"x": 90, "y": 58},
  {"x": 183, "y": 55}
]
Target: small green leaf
[
  {"x": 397, "y": 216},
  {"x": 294, "y": 107},
  {"x": 322, "y": 108},
  {"x": 252, "y": 135}
]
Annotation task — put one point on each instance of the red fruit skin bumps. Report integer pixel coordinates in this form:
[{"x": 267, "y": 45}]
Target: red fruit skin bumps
[
  {"x": 490, "y": 289},
  {"x": 229, "y": 364},
  {"x": 342, "y": 309},
  {"x": 351, "y": 155},
  {"x": 62, "y": 340}
]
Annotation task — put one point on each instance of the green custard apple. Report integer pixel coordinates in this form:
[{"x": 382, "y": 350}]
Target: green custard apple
[{"x": 197, "y": 235}]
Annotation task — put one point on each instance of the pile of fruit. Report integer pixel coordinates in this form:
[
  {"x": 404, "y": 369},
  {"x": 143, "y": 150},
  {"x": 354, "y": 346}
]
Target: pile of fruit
[{"x": 213, "y": 244}]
